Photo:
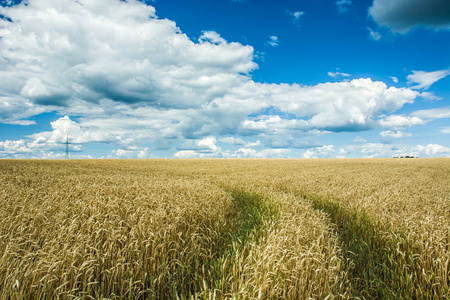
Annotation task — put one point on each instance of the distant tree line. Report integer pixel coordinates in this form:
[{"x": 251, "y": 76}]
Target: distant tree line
[{"x": 407, "y": 156}]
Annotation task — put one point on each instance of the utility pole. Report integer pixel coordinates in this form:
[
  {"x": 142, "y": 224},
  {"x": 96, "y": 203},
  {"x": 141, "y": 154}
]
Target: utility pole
[{"x": 67, "y": 147}]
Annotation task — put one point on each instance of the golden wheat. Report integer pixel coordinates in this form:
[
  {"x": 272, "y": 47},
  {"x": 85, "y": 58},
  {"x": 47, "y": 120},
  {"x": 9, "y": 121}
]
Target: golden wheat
[{"x": 216, "y": 229}]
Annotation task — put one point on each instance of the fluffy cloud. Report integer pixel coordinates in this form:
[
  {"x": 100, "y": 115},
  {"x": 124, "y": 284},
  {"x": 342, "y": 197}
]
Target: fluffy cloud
[
  {"x": 431, "y": 150},
  {"x": 64, "y": 127},
  {"x": 54, "y": 57},
  {"x": 320, "y": 152},
  {"x": 271, "y": 125},
  {"x": 265, "y": 153},
  {"x": 342, "y": 106},
  {"x": 121, "y": 75},
  {"x": 423, "y": 80},
  {"x": 205, "y": 147},
  {"x": 399, "y": 121},
  {"x": 402, "y": 15},
  {"x": 13, "y": 147}
]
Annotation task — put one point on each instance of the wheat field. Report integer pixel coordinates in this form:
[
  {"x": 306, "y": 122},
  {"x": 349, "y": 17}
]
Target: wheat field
[{"x": 225, "y": 229}]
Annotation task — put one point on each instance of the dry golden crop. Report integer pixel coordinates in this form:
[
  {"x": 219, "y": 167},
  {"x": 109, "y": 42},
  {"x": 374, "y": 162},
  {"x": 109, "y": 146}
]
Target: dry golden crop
[{"x": 221, "y": 229}]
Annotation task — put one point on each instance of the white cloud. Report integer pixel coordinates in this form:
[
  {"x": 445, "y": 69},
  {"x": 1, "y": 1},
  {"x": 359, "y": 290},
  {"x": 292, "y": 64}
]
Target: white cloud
[
  {"x": 336, "y": 74},
  {"x": 343, "y": 5},
  {"x": 144, "y": 153},
  {"x": 123, "y": 76},
  {"x": 64, "y": 127},
  {"x": 399, "y": 121},
  {"x": 325, "y": 151},
  {"x": 430, "y": 96},
  {"x": 394, "y": 79},
  {"x": 374, "y": 35},
  {"x": 387, "y": 150},
  {"x": 423, "y": 80},
  {"x": 209, "y": 143},
  {"x": 54, "y": 56},
  {"x": 206, "y": 145},
  {"x": 341, "y": 106},
  {"x": 434, "y": 113},
  {"x": 272, "y": 125},
  {"x": 232, "y": 141},
  {"x": 15, "y": 110},
  {"x": 211, "y": 37},
  {"x": 402, "y": 15},
  {"x": 394, "y": 134},
  {"x": 296, "y": 15},
  {"x": 445, "y": 130},
  {"x": 13, "y": 147},
  {"x": 358, "y": 139},
  {"x": 273, "y": 41},
  {"x": 265, "y": 153},
  {"x": 255, "y": 144},
  {"x": 239, "y": 142},
  {"x": 431, "y": 150}
]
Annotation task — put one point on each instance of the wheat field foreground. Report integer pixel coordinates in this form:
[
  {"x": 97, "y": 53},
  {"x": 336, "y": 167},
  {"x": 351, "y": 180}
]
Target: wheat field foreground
[{"x": 225, "y": 229}]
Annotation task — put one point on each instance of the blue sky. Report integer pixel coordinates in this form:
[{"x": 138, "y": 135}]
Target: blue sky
[{"x": 194, "y": 79}]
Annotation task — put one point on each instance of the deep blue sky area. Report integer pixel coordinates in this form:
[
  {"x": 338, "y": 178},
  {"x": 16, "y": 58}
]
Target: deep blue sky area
[{"x": 227, "y": 78}]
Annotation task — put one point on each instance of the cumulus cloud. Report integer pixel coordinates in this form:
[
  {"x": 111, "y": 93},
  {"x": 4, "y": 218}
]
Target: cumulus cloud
[
  {"x": 265, "y": 153},
  {"x": 402, "y": 15},
  {"x": 65, "y": 127},
  {"x": 431, "y": 150},
  {"x": 399, "y": 121},
  {"x": 54, "y": 57},
  {"x": 211, "y": 37},
  {"x": 423, "y": 80},
  {"x": 386, "y": 150},
  {"x": 342, "y": 106},
  {"x": 325, "y": 151},
  {"x": 13, "y": 147},
  {"x": 205, "y": 147},
  {"x": 271, "y": 125},
  {"x": 121, "y": 75}
]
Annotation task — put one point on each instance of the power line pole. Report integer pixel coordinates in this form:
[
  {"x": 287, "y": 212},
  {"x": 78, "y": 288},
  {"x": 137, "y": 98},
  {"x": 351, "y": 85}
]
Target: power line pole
[{"x": 67, "y": 147}]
